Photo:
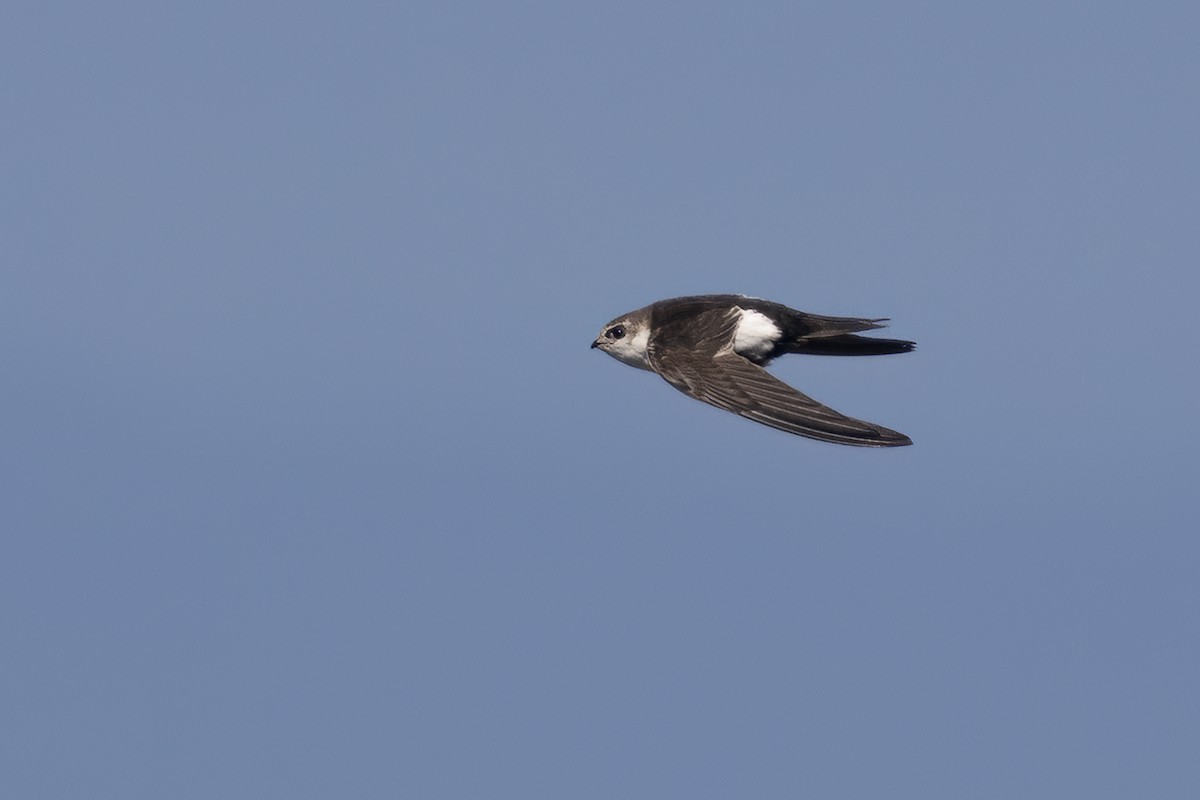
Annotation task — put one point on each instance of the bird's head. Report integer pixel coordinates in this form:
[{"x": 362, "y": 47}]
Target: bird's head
[{"x": 626, "y": 339}]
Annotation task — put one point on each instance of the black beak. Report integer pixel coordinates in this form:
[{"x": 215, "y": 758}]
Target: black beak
[{"x": 595, "y": 345}]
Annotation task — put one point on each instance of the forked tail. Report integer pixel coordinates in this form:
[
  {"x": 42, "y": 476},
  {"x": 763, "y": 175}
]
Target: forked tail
[{"x": 847, "y": 344}]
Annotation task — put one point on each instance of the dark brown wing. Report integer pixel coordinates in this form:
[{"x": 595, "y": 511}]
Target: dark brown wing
[{"x": 698, "y": 359}]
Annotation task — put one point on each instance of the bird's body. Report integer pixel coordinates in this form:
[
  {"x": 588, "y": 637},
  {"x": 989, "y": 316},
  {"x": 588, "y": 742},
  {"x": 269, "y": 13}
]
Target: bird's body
[{"x": 714, "y": 348}]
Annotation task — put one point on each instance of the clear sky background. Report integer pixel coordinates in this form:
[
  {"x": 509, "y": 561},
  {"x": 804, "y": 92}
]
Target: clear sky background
[{"x": 312, "y": 488}]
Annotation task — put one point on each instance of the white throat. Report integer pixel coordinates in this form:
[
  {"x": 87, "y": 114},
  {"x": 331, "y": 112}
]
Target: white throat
[{"x": 632, "y": 351}]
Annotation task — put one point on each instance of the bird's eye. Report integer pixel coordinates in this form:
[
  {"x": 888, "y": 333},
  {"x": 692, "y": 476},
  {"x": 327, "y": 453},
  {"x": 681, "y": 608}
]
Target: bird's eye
[{"x": 615, "y": 332}]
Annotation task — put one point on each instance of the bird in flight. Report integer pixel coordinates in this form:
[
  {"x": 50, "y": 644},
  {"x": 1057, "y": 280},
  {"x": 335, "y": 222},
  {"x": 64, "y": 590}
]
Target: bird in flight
[{"x": 713, "y": 347}]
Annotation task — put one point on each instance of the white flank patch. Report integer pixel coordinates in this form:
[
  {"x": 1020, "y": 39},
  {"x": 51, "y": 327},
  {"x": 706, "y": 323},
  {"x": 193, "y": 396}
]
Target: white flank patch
[{"x": 756, "y": 334}]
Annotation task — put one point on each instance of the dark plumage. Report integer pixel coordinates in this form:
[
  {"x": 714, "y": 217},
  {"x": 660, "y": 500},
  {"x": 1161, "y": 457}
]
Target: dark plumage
[{"x": 714, "y": 348}]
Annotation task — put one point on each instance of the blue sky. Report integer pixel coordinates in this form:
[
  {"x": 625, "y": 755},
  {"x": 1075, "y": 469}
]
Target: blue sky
[{"x": 313, "y": 488}]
